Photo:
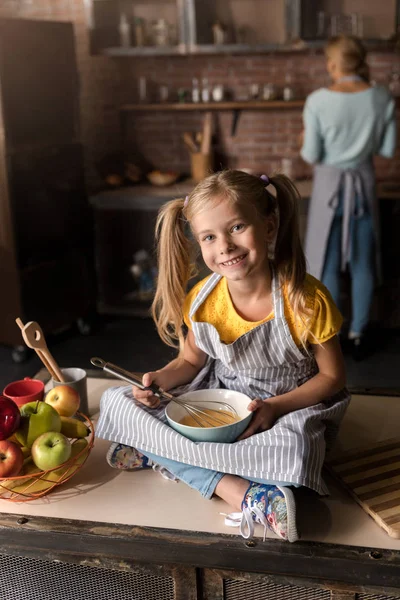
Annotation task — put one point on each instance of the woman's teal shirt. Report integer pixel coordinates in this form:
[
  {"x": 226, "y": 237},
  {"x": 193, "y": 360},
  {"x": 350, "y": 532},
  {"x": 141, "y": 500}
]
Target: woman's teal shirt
[{"x": 347, "y": 129}]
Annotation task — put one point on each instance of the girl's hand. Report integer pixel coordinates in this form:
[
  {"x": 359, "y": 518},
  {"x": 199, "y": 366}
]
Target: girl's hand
[
  {"x": 264, "y": 417},
  {"x": 147, "y": 397}
]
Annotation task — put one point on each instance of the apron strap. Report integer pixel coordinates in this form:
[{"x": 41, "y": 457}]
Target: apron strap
[
  {"x": 354, "y": 206},
  {"x": 205, "y": 290},
  {"x": 277, "y": 296}
]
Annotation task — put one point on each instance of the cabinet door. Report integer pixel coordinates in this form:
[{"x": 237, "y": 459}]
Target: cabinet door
[
  {"x": 367, "y": 20},
  {"x": 248, "y": 22},
  {"x": 39, "y": 83},
  {"x": 39, "y": 577},
  {"x": 150, "y": 26},
  {"x": 240, "y": 585},
  {"x": 49, "y": 207}
]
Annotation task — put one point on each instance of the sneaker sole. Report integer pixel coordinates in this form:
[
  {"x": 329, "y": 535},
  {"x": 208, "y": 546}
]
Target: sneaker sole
[{"x": 292, "y": 532}]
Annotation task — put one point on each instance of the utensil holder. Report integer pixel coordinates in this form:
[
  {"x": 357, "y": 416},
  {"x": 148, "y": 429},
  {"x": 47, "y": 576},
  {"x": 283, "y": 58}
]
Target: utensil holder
[{"x": 201, "y": 165}]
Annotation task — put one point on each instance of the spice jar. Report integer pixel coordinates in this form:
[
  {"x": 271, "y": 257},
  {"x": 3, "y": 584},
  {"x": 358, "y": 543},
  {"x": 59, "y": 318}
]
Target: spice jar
[
  {"x": 218, "y": 93},
  {"x": 218, "y": 33},
  {"x": 288, "y": 92},
  {"x": 139, "y": 27},
  {"x": 269, "y": 92}
]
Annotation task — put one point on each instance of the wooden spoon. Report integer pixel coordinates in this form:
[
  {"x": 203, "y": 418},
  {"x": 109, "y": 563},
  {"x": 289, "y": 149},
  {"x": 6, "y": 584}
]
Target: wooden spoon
[
  {"x": 207, "y": 133},
  {"x": 189, "y": 141},
  {"x": 34, "y": 338}
]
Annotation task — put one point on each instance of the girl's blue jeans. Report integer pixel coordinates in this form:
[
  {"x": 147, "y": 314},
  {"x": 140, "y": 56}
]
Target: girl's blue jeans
[
  {"x": 203, "y": 480},
  {"x": 362, "y": 266}
]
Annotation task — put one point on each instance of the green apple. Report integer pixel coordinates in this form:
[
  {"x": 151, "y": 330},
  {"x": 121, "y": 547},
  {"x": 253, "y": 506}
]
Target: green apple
[
  {"x": 50, "y": 450},
  {"x": 36, "y": 418}
]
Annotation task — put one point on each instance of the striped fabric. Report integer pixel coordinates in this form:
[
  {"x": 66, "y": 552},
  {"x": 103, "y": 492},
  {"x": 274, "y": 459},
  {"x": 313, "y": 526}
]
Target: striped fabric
[{"x": 262, "y": 363}]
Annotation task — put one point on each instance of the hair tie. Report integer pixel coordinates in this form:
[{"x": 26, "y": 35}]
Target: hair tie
[
  {"x": 186, "y": 202},
  {"x": 265, "y": 178}
]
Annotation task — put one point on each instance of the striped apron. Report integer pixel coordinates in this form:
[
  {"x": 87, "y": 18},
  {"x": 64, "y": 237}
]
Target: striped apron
[
  {"x": 262, "y": 363},
  {"x": 329, "y": 184}
]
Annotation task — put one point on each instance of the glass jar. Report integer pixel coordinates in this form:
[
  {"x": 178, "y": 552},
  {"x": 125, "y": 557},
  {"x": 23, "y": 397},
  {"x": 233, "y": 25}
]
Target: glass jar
[
  {"x": 269, "y": 92},
  {"x": 160, "y": 32}
]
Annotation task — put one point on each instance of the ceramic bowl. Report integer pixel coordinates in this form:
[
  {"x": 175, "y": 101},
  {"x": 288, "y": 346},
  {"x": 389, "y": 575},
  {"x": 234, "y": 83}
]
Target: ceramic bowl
[{"x": 223, "y": 433}]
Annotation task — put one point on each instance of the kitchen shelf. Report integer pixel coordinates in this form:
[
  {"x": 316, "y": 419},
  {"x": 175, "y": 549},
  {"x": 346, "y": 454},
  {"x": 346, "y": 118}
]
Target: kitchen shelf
[
  {"x": 205, "y": 106},
  {"x": 232, "y": 49},
  {"x": 133, "y": 51}
]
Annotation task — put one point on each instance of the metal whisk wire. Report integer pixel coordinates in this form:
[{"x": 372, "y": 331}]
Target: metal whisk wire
[{"x": 202, "y": 418}]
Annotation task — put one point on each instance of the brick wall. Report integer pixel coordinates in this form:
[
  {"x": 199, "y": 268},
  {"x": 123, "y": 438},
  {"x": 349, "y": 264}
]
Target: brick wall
[
  {"x": 154, "y": 139},
  {"x": 262, "y": 137}
]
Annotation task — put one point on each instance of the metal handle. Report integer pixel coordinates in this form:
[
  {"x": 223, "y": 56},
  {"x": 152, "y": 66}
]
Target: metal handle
[{"x": 127, "y": 376}]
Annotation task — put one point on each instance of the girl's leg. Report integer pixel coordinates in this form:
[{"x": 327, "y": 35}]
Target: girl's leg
[
  {"x": 273, "y": 506},
  {"x": 362, "y": 267},
  {"x": 202, "y": 480},
  {"x": 266, "y": 503},
  {"x": 331, "y": 271}
]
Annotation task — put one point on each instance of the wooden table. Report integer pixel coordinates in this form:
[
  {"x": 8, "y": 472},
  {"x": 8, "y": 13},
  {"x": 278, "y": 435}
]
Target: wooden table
[{"x": 110, "y": 534}]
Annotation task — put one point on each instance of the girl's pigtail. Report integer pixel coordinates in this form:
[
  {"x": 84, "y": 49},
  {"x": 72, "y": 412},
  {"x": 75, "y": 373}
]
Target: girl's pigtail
[
  {"x": 289, "y": 258},
  {"x": 175, "y": 268}
]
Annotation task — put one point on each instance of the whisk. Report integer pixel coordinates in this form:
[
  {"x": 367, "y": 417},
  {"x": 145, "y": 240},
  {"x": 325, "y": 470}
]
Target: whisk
[{"x": 202, "y": 418}]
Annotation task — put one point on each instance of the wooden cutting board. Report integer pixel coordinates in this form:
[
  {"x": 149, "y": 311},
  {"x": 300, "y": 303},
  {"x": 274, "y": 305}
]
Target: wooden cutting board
[{"x": 372, "y": 476}]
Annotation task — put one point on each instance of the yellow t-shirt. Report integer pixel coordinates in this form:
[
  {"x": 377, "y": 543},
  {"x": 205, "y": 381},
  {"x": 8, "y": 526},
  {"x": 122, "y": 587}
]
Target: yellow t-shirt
[{"x": 218, "y": 310}]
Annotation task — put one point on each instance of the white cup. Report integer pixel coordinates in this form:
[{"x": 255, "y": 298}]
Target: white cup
[{"x": 77, "y": 379}]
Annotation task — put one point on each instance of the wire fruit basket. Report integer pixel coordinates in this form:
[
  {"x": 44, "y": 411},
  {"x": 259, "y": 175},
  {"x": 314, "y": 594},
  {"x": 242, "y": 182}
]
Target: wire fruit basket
[{"x": 31, "y": 486}]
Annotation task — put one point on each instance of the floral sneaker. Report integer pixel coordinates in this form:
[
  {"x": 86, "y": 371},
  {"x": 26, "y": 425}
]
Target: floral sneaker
[
  {"x": 270, "y": 505},
  {"x": 127, "y": 458}
]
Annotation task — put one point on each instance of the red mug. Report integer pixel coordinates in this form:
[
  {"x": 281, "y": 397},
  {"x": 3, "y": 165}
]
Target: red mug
[{"x": 24, "y": 390}]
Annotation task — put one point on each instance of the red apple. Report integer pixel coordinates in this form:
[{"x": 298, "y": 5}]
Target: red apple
[
  {"x": 9, "y": 417},
  {"x": 11, "y": 459},
  {"x": 64, "y": 399}
]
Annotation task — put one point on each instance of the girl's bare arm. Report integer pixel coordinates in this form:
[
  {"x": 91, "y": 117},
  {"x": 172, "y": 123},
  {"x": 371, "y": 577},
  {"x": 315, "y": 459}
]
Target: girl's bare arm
[
  {"x": 177, "y": 372},
  {"x": 329, "y": 380}
]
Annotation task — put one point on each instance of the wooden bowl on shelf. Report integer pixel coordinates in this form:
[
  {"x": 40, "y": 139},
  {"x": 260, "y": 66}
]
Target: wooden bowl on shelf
[{"x": 162, "y": 178}]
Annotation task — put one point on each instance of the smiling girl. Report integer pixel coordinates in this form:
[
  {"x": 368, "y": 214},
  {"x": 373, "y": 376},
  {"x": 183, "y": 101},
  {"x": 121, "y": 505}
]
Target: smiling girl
[{"x": 258, "y": 325}]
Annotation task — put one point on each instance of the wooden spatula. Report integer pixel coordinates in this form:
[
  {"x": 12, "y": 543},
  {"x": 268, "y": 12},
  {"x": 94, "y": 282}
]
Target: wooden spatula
[{"x": 34, "y": 338}]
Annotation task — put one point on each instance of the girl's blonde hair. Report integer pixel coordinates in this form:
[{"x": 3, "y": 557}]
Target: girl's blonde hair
[
  {"x": 352, "y": 55},
  {"x": 176, "y": 259}
]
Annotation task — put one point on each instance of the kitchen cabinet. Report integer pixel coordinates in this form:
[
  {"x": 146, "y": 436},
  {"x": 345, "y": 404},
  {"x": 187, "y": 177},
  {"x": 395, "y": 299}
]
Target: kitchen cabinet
[
  {"x": 244, "y": 24},
  {"x": 234, "y": 26},
  {"x": 45, "y": 221}
]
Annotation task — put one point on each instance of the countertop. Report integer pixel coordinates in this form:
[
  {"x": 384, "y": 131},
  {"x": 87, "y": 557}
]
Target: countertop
[{"x": 148, "y": 197}]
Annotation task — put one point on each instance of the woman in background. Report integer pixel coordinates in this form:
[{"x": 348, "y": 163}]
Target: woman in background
[{"x": 345, "y": 125}]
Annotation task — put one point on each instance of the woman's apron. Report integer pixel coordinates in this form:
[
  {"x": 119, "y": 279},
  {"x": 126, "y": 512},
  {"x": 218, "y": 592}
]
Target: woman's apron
[
  {"x": 262, "y": 363},
  {"x": 351, "y": 184}
]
